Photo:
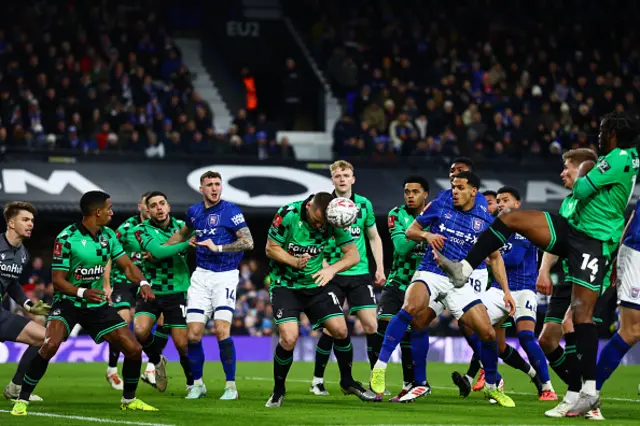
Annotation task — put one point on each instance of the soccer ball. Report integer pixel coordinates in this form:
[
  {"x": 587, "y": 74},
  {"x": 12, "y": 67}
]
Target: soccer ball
[{"x": 342, "y": 212}]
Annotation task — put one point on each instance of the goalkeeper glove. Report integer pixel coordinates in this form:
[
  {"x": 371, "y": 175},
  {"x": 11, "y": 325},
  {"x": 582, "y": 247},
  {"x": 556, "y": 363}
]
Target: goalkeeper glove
[{"x": 39, "y": 308}]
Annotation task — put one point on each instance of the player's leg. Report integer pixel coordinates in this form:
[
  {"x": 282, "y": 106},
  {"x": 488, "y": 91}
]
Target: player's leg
[
  {"x": 552, "y": 331},
  {"x": 179, "y": 336},
  {"x": 16, "y": 328},
  {"x": 146, "y": 316},
  {"x": 466, "y": 307},
  {"x": 323, "y": 354},
  {"x": 174, "y": 316},
  {"x": 122, "y": 299},
  {"x": 224, "y": 302},
  {"x": 59, "y": 323},
  {"x": 199, "y": 310},
  {"x": 546, "y": 231},
  {"x": 621, "y": 342}
]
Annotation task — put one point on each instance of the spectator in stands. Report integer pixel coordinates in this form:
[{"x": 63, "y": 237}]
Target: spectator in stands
[{"x": 291, "y": 94}]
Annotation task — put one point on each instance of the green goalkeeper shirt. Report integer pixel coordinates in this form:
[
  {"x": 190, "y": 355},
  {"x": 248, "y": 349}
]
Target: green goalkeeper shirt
[
  {"x": 364, "y": 221},
  {"x": 167, "y": 271},
  {"x": 292, "y": 232}
]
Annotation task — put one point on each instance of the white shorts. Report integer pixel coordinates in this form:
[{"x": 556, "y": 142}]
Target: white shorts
[
  {"x": 457, "y": 300},
  {"x": 493, "y": 300},
  {"x": 212, "y": 293},
  {"x": 526, "y": 305},
  {"x": 628, "y": 283}
]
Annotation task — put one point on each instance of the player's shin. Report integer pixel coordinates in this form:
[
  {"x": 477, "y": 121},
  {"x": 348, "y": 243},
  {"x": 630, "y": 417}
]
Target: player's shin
[
  {"x": 37, "y": 368},
  {"x": 557, "y": 360},
  {"x": 489, "y": 241},
  {"x": 372, "y": 343},
  {"x": 512, "y": 358},
  {"x": 395, "y": 332},
  {"x": 610, "y": 359},
  {"x": 161, "y": 337},
  {"x": 343, "y": 350},
  {"x": 186, "y": 367},
  {"x": 535, "y": 355},
  {"x": 282, "y": 360},
  {"x": 23, "y": 365},
  {"x": 420, "y": 349},
  {"x": 489, "y": 358},
  {"x": 323, "y": 353},
  {"x": 228, "y": 359},
  {"x": 196, "y": 360},
  {"x": 407, "y": 361},
  {"x": 587, "y": 350},
  {"x": 130, "y": 376},
  {"x": 114, "y": 354}
]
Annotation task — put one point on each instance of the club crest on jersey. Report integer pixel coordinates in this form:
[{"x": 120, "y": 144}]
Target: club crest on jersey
[
  {"x": 214, "y": 219},
  {"x": 477, "y": 225},
  {"x": 635, "y": 292},
  {"x": 103, "y": 242},
  {"x": 447, "y": 215},
  {"x": 603, "y": 166}
]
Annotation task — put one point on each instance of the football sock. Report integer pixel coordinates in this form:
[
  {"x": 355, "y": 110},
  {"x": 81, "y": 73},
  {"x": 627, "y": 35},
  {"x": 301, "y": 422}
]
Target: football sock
[
  {"x": 196, "y": 359},
  {"x": 186, "y": 367},
  {"x": 37, "y": 368},
  {"x": 228, "y": 358},
  {"x": 343, "y": 351},
  {"x": 323, "y": 353},
  {"x": 114, "y": 354},
  {"x": 407, "y": 359},
  {"x": 610, "y": 359},
  {"x": 23, "y": 365},
  {"x": 282, "y": 360},
  {"x": 371, "y": 343},
  {"x": 534, "y": 353},
  {"x": 557, "y": 360},
  {"x": 161, "y": 335},
  {"x": 419, "y": 351},
  {"x": 488, "y": 242},
  {"x": 474, "y": 366},
  {"x": 587, "y": 348},
  {"x": 512, "y": 358},
  {"x": 130, "y": 377},
  {"x": 395, "y": 332},
  {"x": 489, "y": 357}
]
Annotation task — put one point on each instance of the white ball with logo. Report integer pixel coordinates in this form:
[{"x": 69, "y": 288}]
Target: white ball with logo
[{"x": 342, "y": 212}]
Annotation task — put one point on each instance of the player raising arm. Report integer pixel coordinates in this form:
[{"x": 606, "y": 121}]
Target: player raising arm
[
  {"x": 80, "y": 254},
  {"x": 299, "y": 283},
  {"x": 222, "y": 236},
  {"x": 19, "y": 217},
  {"x": 587, "y": 238}
]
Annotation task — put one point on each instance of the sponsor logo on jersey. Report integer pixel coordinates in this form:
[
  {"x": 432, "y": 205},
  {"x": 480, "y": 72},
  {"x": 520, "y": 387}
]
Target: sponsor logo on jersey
[
  {"x": 238, "y": 219},
  {"x": 88, "y": 274},
  {"x": 12, "y": 270},
  {"x": 214, "y": 219},
  {"x": 295, "y": 249},
  {"x": 355, "y": 231}
]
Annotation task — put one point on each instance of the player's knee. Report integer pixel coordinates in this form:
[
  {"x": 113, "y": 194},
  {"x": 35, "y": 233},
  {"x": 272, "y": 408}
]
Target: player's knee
[
  {"x": 369, "y": 328},
  {"x": 142, "y": 333},
  {"x": 547, "y": 342},
  {"x": 194, "y": 336},
  {"x": 132, "y": 350},
  {"x": 288, "y": 341},
  {"x": 567, "y": 324},
  {"x": 222, "y": 330},
  {"x": 486, "y": 334},
  {"x": 412, "y": 307},
  {"x": 49, "y": 348},
  {"x": 582, "y": 313},
  {"x": 341, "y": 332}
]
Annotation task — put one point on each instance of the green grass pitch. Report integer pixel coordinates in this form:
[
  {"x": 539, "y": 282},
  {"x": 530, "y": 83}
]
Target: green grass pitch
[{"x": 78, "y": 394}]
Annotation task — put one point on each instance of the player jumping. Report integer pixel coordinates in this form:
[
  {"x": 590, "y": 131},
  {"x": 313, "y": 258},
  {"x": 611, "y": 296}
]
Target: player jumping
[
  {"x": 454, "y": 224},
  {"x": 587, "y": 238},
  {"x": 222, "y": 236},
  {"x": 407, "y": 255},
  {"x": 80, "y": 254},
  {"x": 355, "y": 284},
  {"x": 169, "y": 273},
  {"x": 19, "y": 217},
  {"x": 300, "y": 283}
]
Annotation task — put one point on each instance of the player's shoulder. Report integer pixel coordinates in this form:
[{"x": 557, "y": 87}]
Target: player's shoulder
[
  {"x": 290, "y": 209},
  {"x": 361, "y": 199},
  {"x": 68, "y": 232},
  {"x": 178, "y": 222},
  {"x": 108, "y": 232},
  {"x": 397, "y": 210},
  {"x": 445, "y": 193},
  {"x": 196, "y": 208},
  {"x": 228, "y": 205}
]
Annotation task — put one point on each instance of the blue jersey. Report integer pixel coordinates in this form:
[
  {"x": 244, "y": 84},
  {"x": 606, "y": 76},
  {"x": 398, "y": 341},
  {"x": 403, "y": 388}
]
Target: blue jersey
[
  {"x": 521, "y": 263},
  {"x": 219, "y": 224},
  {"x": 481, "y": 200},
  {"x": 632, "y": 238},
  {"x": 459, "y": 227}
]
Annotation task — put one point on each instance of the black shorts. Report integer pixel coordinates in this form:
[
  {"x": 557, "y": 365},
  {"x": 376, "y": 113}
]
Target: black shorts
[
  {"x": 98, "y": 322},
  {"x": 390, "y": 302},
  {"x": 173, "y": 306},
  {"x": 11, "y": 325},
  {"x": 124, "y": 295},
  {"x": 561, "y": 301},
  {"x": 357, "y": 290},
  {"x": 509, "y": 322},
  {"x": 587, "y": 261},
  {"x": 319, "y": 304}
]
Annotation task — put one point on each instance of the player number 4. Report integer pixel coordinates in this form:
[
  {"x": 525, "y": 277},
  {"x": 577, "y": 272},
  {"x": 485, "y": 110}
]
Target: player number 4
[
  {"x": 231, "y": 294},
  {"x": 529, "y": 306},
  {"x": 184, "y": 311},
  {"x": 371, "y": 293}
]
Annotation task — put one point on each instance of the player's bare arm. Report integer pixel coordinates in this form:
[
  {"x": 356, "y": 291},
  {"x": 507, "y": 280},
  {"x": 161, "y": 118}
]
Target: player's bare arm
[
  {"x": 350, "y": 257},
  {"x": 106, "y": 280},
  {"x": 496, "y": 263},
  {"x": 275, "y": 252},
  {"x": 61, "y": 284},
  {"x": 543, "y": 283},
  {"x": 243, "y": 243},
  {"x": 416, "y": 233},
  {"x": 613, "y": 277},
  {"x": 134, "y": 275},
  {"x": 376, "y": 248}
]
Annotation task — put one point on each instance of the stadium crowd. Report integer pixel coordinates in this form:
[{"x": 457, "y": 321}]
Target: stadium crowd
[{"x": 472, "y": 79}]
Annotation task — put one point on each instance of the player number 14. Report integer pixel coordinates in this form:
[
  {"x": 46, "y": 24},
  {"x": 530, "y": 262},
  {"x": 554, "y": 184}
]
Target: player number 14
[{"x": 589, "y": 263}]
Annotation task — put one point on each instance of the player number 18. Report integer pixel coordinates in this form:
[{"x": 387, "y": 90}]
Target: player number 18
[{"x": 476, "y": 285}]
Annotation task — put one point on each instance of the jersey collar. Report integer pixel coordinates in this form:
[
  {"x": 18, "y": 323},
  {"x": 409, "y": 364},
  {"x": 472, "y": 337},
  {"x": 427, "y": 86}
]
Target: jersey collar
[
  {"x": 303, "y": 208},
  {"x": 352, "y": 198},
  {"x": 84, "y": 231},
  {"x": 14, "y": 248}
]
